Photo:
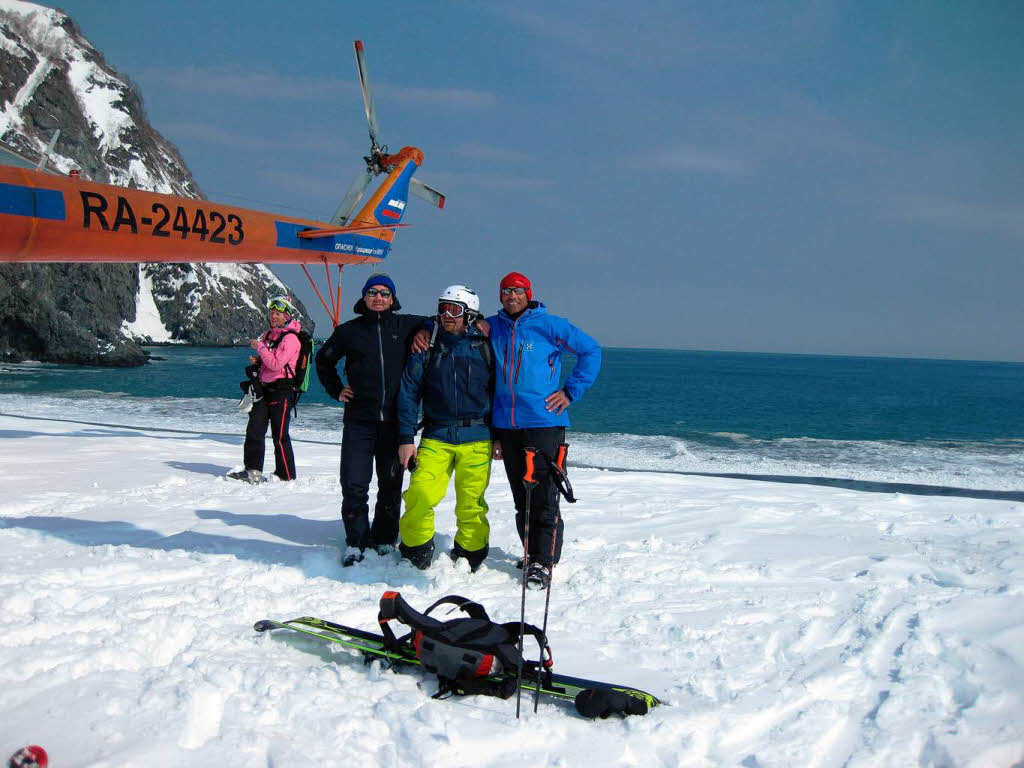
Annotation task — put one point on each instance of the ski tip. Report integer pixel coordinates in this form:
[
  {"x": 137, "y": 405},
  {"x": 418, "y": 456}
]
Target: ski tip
[{"x": 263, "y": 625}]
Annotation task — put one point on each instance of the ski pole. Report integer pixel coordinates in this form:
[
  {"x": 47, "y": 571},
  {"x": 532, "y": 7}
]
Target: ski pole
[
  {"x": 559, "y": 464},
  {"x": 544, "y": 629},
  {"x": 529, "y": 483}
]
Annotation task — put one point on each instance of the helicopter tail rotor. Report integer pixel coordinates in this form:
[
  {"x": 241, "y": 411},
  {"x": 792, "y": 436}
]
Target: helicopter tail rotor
[
  {"x": 364, "y": 85},
  {"x": 424, "y": 192},
  {"x": 378, "y": 161},
  {"x": 355, "y": 192}
]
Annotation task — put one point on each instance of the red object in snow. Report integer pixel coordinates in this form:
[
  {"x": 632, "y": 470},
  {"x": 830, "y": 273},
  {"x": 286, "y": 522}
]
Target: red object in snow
[{"x": 32, "y": 756}]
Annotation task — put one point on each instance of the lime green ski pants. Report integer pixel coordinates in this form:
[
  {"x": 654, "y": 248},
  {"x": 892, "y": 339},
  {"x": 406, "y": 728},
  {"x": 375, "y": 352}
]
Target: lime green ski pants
[{"x": 435, "y": 462}]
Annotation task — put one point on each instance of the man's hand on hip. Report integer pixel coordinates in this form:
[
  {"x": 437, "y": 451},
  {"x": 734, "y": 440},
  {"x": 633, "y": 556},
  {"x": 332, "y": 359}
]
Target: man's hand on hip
[{"x": 557, "y": 402}]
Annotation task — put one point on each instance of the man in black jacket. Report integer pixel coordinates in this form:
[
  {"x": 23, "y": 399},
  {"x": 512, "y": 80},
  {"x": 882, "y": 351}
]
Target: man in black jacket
[{"x": 375, "y": 346}]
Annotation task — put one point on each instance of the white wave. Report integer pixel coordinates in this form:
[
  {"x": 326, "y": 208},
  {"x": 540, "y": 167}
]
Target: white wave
[
  {"x": 731, "y": 435},
  {"x": 948, "y": 463},
  {"x": 985, "y": 466}
]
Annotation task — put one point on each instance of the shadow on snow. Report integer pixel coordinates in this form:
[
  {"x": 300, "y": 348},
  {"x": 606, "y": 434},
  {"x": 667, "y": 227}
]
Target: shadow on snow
[{"x": 313, "y": 549}]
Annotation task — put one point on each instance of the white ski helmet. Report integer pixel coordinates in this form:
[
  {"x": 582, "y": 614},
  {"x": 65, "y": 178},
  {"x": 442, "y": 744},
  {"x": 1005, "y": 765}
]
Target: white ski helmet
[
  {"x": 460, "y": 294},
  {"x": 283, "y": 304}
]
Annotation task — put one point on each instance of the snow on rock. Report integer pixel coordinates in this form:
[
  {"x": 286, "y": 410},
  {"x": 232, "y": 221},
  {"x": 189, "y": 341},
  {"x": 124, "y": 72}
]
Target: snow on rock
[
  {"x": 52, "y": 78},
  {"x": 783, "y": 624},
  {"x": 100, "y": 95},
  {"x": 147, "y": 327},
  {"x": 11, "y": 118}
]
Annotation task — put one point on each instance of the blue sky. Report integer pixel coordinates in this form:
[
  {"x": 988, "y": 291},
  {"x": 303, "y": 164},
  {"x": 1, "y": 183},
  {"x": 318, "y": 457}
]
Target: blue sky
[{"x": 819, "y": 177}]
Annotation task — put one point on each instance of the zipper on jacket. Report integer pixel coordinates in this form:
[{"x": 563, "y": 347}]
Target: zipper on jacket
[
  {"x": 455, "y": 381},
  {"x": 383, "y": 383},
  {"x": 512, "y": 370}
]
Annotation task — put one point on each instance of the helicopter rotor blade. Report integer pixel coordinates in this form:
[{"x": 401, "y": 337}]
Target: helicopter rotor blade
[
  {"x": 352, "y": 197},
  {"x": 364, "y": 84},
  {"x": 424, "y": 192}
]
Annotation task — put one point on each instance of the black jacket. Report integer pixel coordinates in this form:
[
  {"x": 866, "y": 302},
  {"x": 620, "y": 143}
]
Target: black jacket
[{"x": 375, "y": 346}]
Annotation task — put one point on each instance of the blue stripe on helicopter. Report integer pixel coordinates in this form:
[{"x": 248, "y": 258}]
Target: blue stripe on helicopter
[
  {"x": 29, "y": 201},
  {"x": 351, "y": 244}
]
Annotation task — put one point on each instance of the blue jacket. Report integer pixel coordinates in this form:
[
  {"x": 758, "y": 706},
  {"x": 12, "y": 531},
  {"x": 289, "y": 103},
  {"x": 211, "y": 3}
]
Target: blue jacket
[
  {"x": 456, "y": 393},
  {"x": 527, "y": 362}
]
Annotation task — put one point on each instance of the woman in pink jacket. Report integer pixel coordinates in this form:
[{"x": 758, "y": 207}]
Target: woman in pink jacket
[{"x": 271, "y": 393}]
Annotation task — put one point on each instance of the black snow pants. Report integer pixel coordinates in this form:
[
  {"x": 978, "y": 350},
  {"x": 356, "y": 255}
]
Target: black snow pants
[
  {"x": 363, "y": 446},
  {"x": 275, "y": 409},
  {"x": 545, "y": 545}
]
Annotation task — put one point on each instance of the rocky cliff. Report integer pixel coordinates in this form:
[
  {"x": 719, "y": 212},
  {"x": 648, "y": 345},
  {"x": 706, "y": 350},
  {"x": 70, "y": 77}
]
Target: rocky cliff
[{"x": 52, "y": 78}]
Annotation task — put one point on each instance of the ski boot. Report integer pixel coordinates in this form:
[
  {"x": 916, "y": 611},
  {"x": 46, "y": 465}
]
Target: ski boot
[
  {"x": 251, "y": 476},
  {"x": 475, "y": 558},
  {"x": 420, "y": 555},
  {"x": 538, "y": 576},
  {"x": 350, "y": 556}
]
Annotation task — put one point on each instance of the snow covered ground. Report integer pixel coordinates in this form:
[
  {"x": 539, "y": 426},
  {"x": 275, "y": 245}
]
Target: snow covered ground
[{"x": 785, "y": 624}]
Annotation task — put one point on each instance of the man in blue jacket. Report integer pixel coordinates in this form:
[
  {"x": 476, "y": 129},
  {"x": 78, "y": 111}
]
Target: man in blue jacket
[
  {"x": 454, "y": 379},
  {"x": 529, "y": 409}
]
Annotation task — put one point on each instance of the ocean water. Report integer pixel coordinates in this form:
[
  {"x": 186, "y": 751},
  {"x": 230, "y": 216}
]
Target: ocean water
[{"x": 883, "y": 424}]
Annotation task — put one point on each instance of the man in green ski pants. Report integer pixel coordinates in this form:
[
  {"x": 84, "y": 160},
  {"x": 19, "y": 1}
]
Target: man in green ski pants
[{"x": 454, "y": 380}]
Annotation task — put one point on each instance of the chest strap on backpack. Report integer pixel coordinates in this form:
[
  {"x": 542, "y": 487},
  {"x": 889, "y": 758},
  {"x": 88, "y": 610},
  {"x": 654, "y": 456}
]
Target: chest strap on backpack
[
  {"x": 469, "y": 655},
  {"x": 394, "y": 606}
]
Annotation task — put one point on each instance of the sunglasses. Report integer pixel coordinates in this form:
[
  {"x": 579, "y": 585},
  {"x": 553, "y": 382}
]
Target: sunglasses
[
  {"x": 384, "y": 293},
  {"x": 510, "y": 289},
  {"x": 279, "y": 306},
  {"x": 451, "y": 309}
]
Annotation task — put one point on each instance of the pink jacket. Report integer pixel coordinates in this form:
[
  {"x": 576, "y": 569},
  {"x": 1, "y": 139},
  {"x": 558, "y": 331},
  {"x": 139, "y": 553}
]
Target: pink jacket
[{"x": 273, "y": 361}]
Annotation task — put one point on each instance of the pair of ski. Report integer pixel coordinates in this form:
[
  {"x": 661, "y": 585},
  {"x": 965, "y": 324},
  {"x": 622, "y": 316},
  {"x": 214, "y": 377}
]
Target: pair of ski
[
  {"x": 372, "y": 646},
  {"x": 593, "y": 698}
]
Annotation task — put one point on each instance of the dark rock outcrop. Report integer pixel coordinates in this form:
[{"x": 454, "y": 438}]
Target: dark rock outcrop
[
  {"x": 67, "y": 313},
  {"x": 52, "y": 78}
]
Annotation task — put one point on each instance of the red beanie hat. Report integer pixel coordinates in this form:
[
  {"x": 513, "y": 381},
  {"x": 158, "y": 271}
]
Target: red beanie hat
[{"x": 513, "y": 279}]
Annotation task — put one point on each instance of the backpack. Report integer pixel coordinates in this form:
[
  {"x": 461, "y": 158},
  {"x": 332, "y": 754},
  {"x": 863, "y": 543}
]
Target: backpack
[
  {"x": 471, "y": 655},
  {"x": 481, "y": 345},
  {"x": 299, "y": 380}
]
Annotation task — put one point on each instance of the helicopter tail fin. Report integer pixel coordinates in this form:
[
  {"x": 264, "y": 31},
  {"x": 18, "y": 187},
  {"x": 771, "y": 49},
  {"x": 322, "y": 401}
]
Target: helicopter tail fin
[{"x": 387, "y": 205}]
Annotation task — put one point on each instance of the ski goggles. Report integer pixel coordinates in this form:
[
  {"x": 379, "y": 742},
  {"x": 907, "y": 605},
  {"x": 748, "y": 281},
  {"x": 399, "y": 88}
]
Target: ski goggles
[
  {"x": 450, "y": 308},
  {"x": 279, "y": 306},
  {"x": 384, "y": 293},
  {"x": 508, "y": 290}
]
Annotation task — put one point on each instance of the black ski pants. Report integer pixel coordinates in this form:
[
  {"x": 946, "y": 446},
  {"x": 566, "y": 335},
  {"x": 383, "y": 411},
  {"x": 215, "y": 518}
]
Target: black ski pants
[
  {"x": 363, "y": 446},
  {"x": 275, "y": 409},
  {"x": 545, "y": 545}
]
